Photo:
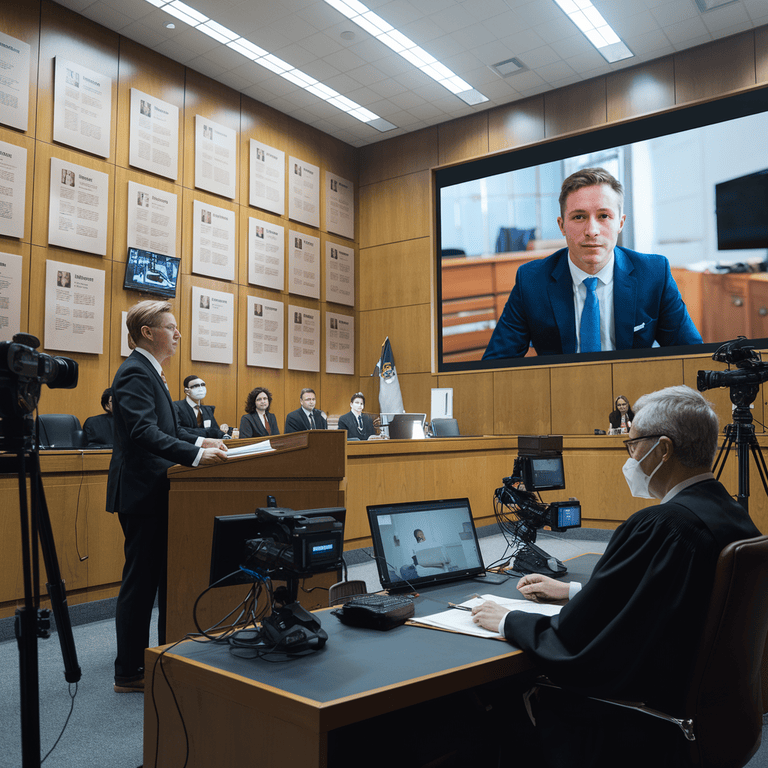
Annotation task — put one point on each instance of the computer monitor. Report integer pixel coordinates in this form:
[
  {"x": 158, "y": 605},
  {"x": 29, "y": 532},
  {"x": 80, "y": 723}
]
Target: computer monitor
[
  {"x": 417, "y": 544},
  {"x": 404, "y": 426},
  {"x": 150, "y": 272}
]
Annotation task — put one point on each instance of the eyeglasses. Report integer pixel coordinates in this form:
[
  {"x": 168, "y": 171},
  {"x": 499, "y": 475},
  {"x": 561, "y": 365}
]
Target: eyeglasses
[{"x": 627, "y": 443}]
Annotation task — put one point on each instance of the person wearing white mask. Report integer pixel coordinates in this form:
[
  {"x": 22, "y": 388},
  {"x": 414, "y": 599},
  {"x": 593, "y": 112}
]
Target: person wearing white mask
[
  {"x": 196, "y": 417},
  {"x": 628, "y": 634}
]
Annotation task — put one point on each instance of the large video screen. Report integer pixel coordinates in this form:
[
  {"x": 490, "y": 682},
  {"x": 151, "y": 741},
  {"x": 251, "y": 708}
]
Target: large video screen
[{"x": 499, "y": 213}]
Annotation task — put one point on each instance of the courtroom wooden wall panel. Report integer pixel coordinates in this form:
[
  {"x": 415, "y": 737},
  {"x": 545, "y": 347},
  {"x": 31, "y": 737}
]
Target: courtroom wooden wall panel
[
  {"x": 67, "y": 35},
  {"x": 516, "y": 124},
  {"x": 463, "y": 138},
  {"x": 634, "y": 378},
  {"x": 761, "y": 55},
  {"x": 22, "y": 21},
  {"x": 216, "y": 102},
  {"x": 641, "y": 90},
  {"x": 396, "y": 274},
  {"x": 218, "y": 377},
  {"x": 120, "y": 204},
  {"x": 472, "y": 401},
  {"x": 408, "y": 331},
  {"x": 27, "y": 142},
  {"x": 395, "y": 210},
  {"x": 578, "y": 107},
  {"x": 521, "y": 402},
  {"x": 91, "y": 383},
  {"x": 399, "y": 156},
  {"x": 155, "y": 75},
  {"x": 580, "y": 396},
  {"x": 700, "y": 74}
]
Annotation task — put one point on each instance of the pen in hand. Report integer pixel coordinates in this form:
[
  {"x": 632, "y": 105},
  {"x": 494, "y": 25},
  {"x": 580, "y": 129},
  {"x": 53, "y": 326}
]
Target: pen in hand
[{"x": 459, "y": 607}]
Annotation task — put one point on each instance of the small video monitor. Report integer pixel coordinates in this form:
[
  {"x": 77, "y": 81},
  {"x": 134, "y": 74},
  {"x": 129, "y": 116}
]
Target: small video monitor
[
  {"x": 543, "y": 473},
  {"x": 150, "y": 272}
]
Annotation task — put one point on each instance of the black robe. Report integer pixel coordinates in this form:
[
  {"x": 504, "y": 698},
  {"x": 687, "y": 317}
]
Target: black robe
[{"x": 632, "y": 631}]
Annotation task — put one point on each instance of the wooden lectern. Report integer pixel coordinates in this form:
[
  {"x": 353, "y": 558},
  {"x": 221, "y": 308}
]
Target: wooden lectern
[{"x": 305, "y": 471}]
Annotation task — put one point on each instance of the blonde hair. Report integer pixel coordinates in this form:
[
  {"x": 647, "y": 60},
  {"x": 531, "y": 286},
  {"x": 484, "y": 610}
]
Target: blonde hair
[{"x": 144, "y": 313}]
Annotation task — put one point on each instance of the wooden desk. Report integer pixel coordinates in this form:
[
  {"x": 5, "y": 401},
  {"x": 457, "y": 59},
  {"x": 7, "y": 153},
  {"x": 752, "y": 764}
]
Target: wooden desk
[{"x": 251, "y": 711}]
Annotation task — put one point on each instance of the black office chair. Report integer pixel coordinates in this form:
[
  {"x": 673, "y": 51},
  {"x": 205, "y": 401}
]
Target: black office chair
[
  {"x": 445, "y": 428},
  {"x": 61, "y": 430},
  {"x": 723, "y": 713}
]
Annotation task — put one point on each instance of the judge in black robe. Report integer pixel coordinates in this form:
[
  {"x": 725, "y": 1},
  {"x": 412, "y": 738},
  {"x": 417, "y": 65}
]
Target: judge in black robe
[
  {"x": 631, "y": 633},
  {"x": 99, "y": 430}
]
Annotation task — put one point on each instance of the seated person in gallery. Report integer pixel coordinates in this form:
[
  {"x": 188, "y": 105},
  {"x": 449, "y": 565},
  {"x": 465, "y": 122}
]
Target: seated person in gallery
[
  {"x": 630, "y": 633},
  {"x": 257, "y": 420},
  {"x": 622, "y": 415},
  {"x": 359, "y": 425},
  {"x": 196, "y": 417},
  {"x": 306, "y": 417},
  {"x": 592, "y": 296},
  {"x": 99, "y": 429}
]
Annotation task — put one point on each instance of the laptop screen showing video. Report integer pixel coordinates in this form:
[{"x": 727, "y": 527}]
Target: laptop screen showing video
[{"x": 422, "y": 543}]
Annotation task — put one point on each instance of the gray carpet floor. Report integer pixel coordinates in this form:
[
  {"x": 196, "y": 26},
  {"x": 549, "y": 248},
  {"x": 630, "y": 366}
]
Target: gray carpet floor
[{"x": 105, "y": 730}]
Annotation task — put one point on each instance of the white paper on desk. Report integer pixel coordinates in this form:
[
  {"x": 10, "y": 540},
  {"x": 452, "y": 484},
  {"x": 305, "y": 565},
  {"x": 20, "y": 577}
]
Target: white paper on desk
[
  {"x": 461, "y": 621},
  {"x": 249, "y": 450}
]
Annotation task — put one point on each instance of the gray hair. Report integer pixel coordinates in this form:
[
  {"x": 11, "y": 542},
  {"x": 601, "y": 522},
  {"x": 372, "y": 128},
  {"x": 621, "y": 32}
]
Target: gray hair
[{"x": 682, "y": 414}]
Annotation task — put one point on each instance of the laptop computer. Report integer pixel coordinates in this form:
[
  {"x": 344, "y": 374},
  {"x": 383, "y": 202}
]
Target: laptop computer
[{"x": 422, "y": 543}]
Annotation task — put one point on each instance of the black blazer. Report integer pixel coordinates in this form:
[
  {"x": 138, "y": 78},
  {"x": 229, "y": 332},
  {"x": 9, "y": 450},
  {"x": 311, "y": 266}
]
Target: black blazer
[
  {"x": 251, "y": 426},
  {"x": 148, "y": 440},
  {"x": 99, "y": 429},
  {"x": 188, "y": 419},
  {"x": 349, "y": 422},
  {"x": 297, "y": 421}
]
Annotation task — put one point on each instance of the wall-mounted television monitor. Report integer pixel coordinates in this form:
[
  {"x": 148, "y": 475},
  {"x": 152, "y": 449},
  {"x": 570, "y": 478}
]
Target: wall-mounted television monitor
[
  {"x": 153, "y": 273},
  {"x": 741, "y": 212},
  {"x": 499, "y": 212}
]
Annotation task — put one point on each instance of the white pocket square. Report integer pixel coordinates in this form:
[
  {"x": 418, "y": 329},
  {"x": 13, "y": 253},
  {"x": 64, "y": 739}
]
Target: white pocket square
[{"x": 639, "y": 327}]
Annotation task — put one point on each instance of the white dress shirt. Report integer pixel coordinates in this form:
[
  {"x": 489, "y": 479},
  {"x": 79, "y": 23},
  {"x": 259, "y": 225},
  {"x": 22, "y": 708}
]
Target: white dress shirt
[{"x": 604, "y": 293}]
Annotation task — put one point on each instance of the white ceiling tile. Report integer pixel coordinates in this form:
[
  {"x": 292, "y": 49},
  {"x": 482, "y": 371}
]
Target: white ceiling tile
[
  {"x": 107, "y": 16},
  {"x": 684, "y": 31},
  {"x": 727, "y": 17},
  {"x": 387, "y": 87},
  {"x": 321, "y": 44},
  {"x": 143, "y": 34},
  {"x": 636, "y": 24},
  {"x": 557, "y": 71},
  {"x": 175, "y": 51},
  {"x": 674, "y": 11},
  {"x": 344, "y": 60},
  {"x": 521, "y": 42},
  {"x": 454, "y": 18},
  {"x": 656, "y": 43},
  {"x": 541, "y": 57},
  {"x": 76, "y": 5}
]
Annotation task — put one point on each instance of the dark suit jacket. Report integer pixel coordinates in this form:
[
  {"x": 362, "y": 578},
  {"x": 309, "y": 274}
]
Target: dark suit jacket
[
  {"x": 188, "y": 419},
  {"x": 296, "y": 421},
  {"x": 251, "y": 426},
  {"x": 99, "y": 429},
  {"x": 349, "y": 422},
  {"x": 148, "y": 440},
  {"x": 647, "y": 307}
]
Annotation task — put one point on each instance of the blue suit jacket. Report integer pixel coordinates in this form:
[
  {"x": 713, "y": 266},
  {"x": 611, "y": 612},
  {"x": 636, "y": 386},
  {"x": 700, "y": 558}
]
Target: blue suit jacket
[{"x": 647, "y": 307}]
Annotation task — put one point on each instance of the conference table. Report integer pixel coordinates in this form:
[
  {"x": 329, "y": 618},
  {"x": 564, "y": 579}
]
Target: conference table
[{"x": 208, "y": 706}]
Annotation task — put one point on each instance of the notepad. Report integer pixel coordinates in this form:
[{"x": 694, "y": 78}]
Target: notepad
[
  {"x": 453, "y": 620},
  {"x": 250, "y": 450}
]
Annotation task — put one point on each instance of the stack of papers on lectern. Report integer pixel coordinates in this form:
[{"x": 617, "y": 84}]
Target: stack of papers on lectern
[
  {"x": 250, "y": 450},
  {"x": 456, "y": 620}
]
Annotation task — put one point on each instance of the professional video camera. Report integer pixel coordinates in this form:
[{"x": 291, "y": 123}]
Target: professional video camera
[
  {"x": 538, "y": 467},
  {"x": 23, "y": 371},
  {"x": 750, "y": 369},
  {"x": 294, "y": 545}
]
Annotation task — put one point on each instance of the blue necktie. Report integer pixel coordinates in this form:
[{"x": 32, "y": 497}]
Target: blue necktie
[{"x": 590, "y": 319}]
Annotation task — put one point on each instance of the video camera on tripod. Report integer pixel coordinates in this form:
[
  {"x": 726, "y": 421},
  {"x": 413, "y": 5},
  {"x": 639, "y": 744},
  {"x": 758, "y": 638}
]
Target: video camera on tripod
[
  {"x": 538, "y": 467},
  {"x": 744, "y": 384}
]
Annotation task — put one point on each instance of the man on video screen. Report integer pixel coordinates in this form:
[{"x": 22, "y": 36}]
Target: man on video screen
[{"x": 592, "y": 296}]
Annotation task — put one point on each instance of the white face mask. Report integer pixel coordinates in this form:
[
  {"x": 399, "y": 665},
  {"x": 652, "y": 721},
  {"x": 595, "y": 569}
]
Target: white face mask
[
  {"x": 198, "y": 393},
  {"x": 637, "y": 480}
]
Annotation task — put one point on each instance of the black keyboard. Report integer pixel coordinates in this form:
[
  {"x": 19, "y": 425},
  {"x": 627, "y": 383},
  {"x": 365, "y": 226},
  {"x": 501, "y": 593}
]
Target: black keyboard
[
  {"x": 381, "y": 603},
  {"x": 376, "y": 611}
]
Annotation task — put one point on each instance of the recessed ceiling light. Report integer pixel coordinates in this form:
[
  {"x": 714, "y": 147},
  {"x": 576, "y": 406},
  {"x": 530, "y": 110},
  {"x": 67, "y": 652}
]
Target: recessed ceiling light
[
  {"x": 347, "y": 35},
  {"x": 596, "y": 29},
  {"x": 509, "y": 67},
  {"x": 170, "y": 25}
]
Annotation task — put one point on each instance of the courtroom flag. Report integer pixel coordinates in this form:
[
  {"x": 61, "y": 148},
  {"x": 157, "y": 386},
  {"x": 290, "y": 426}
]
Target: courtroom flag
[{"x": 390, "y": 399}]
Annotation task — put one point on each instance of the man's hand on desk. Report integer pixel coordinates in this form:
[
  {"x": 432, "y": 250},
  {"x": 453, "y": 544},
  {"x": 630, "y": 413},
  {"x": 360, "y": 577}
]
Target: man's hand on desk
[
  {"x": 214, "y": 451},
  {"x": 489, "y": 615},
  {"x": 543, "y": 589}
]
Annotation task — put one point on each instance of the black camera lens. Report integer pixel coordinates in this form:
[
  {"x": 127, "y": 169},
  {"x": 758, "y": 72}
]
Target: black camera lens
[{"x": 58, "y": 372}]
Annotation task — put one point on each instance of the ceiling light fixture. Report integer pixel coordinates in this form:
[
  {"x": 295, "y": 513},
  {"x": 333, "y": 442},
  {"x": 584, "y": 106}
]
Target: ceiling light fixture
[
  {"x": 596, "y": 29},
  {"x": 258, "y": 55},
  {"x": 383, "y": 31}
]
